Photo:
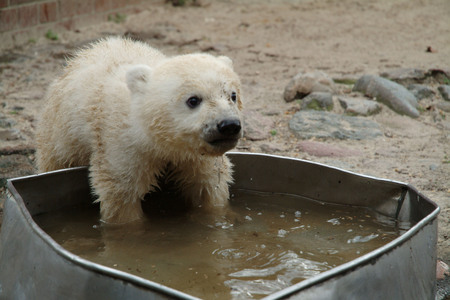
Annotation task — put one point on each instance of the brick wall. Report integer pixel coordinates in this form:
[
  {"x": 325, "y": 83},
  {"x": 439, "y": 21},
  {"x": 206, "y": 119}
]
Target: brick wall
[{"x": 22, "y": 20}]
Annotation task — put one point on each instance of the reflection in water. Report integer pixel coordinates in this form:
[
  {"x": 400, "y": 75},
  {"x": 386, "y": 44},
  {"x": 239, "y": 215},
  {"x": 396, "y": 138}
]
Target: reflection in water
[{"x": 273, "y": 242}]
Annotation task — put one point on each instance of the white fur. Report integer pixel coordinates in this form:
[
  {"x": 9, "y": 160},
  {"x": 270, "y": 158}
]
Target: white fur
[{"x": 120, "y": 107}]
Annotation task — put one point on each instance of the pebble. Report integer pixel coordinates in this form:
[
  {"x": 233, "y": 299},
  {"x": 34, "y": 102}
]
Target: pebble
[
  {"x": 405, "y": 75},
  {"x": 317, "y": 124},
  {"x": 445, "y": 91},
  {"x": 442, "y": 270},
  {"x": 359, "y": 106},
  {"x": 14, "y": 165},
  {"x": 321, "y": 149},
  {"x": 271, "y": 148},
  {"x": 257, "y": 127},
  {"x": 5, "y": 122},
  {"x": 420, "y": 91},
  {"x": 433, "y": 167},
  {"x": 318, "y": 101},
  {"x": 19, "y": 149},
  {"x": 397, "y": 97},
  {"x": 9, "y": 135},
  {"x": 445, "y": 106},
  {"x": 303, "y": 84}
]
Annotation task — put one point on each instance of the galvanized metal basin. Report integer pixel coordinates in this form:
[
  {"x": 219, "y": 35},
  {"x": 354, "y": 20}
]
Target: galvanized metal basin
[{"x": 32, "y": 265}]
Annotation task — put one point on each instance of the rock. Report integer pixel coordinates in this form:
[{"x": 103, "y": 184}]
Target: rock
[
  {"x": 441, "y": 76},
  {"x": 320, "y": 149},
  {"x": 19, "y": 149},
  {"x": 9, "y": 135},
  {"x": 5, "y": 122},
  {"x": 257, "y": 126},
  {"x": 149, "y": 34},
  {"x": 271, "y": 112},
  {"x": 397, "y": 97},
  {"x": 420, "y": 91},
  {"x": 271, "y": 148},
  {"x": 433, "y": 167},
  {"x": 405, "y": 75},
  {"x": 318, "y": 101},
  {"x": 445, "y": 106},
  {"x": 31, "y": 94},
  {"x": 442, "y": 270},
  {"x": 309, "y": 124},
  {"x": 359, "y": 106},
  {"x": 303, "y": 84},
  {"x": 445, "y": 91},
  {"x": 14, "y": 165}
]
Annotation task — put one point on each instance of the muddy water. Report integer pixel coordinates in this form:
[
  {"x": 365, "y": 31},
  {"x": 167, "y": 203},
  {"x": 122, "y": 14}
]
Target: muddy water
[{"x": 272, "y": 242}]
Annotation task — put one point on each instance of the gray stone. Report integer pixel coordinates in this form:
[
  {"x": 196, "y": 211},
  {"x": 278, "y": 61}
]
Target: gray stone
[
  {"x": 303, "y": 84},
  {"x": 316, "y": 124},
  {"x": 433, "y": 167},
  {"x": 257, "y": 126},
  {"x": 420, "y": 91},
  {"x": 271, "y": 148},
  {"x": 440, "y": 76},
  {"x": 23, "y": 149},
  {"x": 405, "y": 75},
  {"x": 5, "y": 122},
  {"x": 445, "y": 91},
  {"x": 321, "y": 149},
  {"x": 14, "y": 165},
  {"x": 397, "y": 97},
  {"x": 9, "y": 135},
  {"x": 318, "y": 101},
  {"x": 445, "y": 106},
  {"x": 359, "y": 106}
]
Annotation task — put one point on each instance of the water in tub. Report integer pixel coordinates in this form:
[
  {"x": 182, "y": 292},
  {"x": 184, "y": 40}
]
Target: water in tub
[{"x": 276, "y": 241}]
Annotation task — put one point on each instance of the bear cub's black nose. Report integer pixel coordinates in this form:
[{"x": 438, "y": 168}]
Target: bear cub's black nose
[{"x": 229, "y": 127}]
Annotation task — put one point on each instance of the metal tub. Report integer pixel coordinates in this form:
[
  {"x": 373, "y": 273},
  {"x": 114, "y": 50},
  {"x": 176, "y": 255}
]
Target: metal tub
[{"x": 33, "y": 266}]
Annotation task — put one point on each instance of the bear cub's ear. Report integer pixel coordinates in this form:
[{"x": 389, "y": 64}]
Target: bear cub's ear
[
  {"x": 138, "y": 77},
  {"x": 226, "y": 60}
]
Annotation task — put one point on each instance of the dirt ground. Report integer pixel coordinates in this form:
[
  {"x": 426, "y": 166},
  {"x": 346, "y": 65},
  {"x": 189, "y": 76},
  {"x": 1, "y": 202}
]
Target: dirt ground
[{"x": 270, "y": 42}]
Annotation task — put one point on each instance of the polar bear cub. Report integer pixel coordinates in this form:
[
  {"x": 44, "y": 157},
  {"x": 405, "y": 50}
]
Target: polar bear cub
[{"x": 134, "y": 115}]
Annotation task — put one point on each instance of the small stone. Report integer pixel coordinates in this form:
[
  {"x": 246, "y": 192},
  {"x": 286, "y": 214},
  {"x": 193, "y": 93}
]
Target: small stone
[
  {"x": 18, "y": 149},
  {"x": 445, "y": 106},
  {"x": 5, "y": 122},
  {"x": 445, "y": 91},
  {"x": 309, "y": 124},
  {"x": 439, "y": 75},
  {"x": 433, "y": 167},
  {"x": 273, "y": 112},
  {"x": 257, "y": 126},
  {"x": 270, "y": 148},
  {"x": 397, "y": 97},
  {"x": 9, "y": 135},
  {"x": 405, "y": 75},
  {"x": 420, "y": 91},
  {"x": 359, "y": 106},
  {"x": 442, "y": 270},
  {"x": 318, "y": 101},
  {"x": 320, "y": 149},
  {"x": 14, "y": 165},
  {"x": 304, "y": 84}
]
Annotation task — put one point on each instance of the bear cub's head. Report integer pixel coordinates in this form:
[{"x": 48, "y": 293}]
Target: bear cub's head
[{"x": 189, "y": 103}]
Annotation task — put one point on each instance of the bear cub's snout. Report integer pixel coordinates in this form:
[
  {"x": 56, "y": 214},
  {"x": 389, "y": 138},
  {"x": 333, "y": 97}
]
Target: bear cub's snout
[
  {"x": 229, "y": 128},
  {"x": 225, "y": 135}
]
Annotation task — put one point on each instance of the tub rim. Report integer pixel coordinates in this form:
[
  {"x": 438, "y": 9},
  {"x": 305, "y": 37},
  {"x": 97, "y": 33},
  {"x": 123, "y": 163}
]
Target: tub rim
[{"x": 148, "y": 284}]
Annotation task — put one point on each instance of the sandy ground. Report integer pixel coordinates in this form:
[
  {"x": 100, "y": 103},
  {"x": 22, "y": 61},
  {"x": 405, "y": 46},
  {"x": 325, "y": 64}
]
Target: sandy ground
[{"x": 269, "y": 42}]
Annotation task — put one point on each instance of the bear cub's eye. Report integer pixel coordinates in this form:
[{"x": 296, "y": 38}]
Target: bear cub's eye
[
  {"x": 233, "y": 97},
  {"x": 193, "y": 102}
]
